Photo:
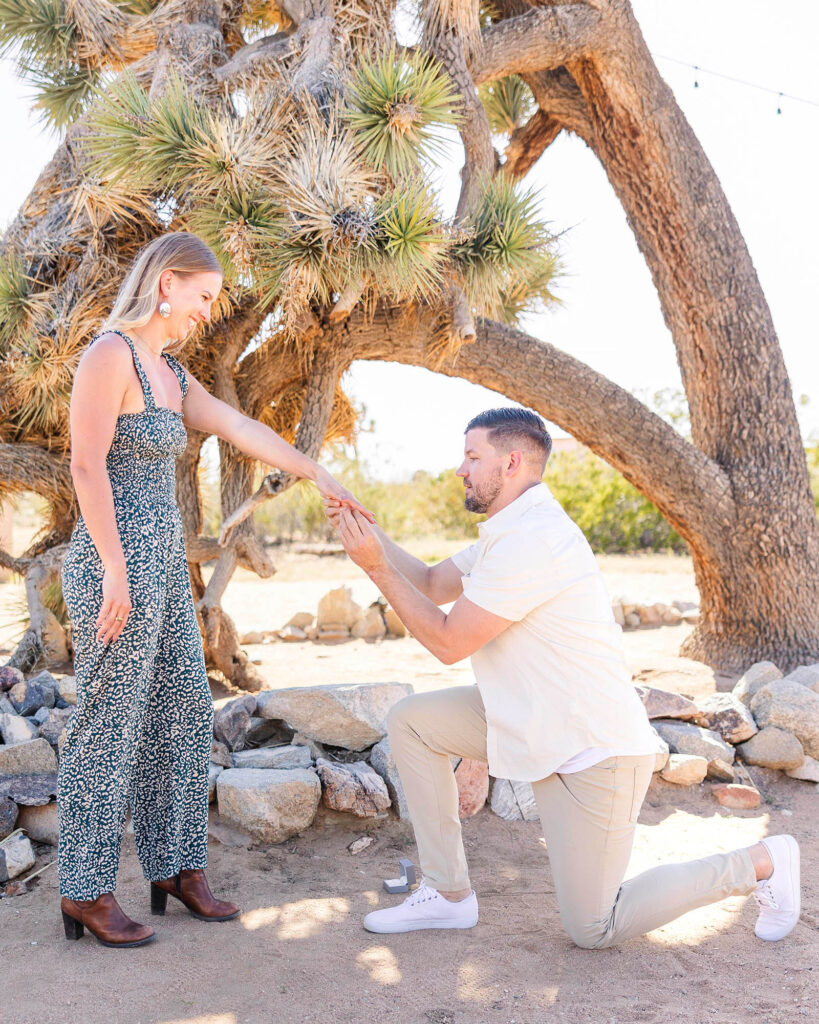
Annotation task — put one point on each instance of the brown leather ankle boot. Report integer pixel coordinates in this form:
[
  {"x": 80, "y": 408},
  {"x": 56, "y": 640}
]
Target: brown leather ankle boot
[
  {"x": 106, "y": 921},
  {"x": 192, "y": 889}
]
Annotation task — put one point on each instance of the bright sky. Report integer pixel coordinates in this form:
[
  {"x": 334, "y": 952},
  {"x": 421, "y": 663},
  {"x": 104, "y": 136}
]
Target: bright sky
[{"x": 610, "y": 316}]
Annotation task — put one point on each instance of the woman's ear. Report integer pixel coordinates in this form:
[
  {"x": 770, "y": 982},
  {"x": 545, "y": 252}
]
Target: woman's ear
[{"x": 165, "y": 279}]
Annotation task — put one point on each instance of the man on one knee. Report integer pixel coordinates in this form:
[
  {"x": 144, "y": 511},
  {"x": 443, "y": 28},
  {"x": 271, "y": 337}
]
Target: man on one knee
[{"x": 554, "y": 706}]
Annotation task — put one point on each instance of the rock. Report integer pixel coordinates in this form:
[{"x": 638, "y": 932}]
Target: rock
[
  {"x": 691, "y": 618},
  {"x": 292, "y": 634},
  {"x": 29, "y": 790},
  {"x": 650, "y": 614},
  {"x": 352, "y": 787},
  {"x": 723, "y": 713},
  {"x": 807, "y": 675},
  {"x": 47, "y": 681},
  {"x": 808, "y": 770},
  {"x": 661, "y": 753},
  {"x": 214, "y": 771},
  {"x": 41, "y": 823},
  {"x": 369, "y": 625},
  {"x": 513, "y": 801},
  {"x": 395, "y": 627},
  {"x": 337, "y": 608},
  {"x": 317, "y": 750},
  {"x": 631, "y": 620},
  {"x": 36, "y": 757},
  {"x": 472, "y": 778},
  {"x": 311, "y": 633},
  {"x": 67, "y": 689},
  {"x": 31, "y": 696},
  {"x": 270, "y": 804},
  {"x": 662, "y": 704},
  {"x": 343, "y": 715},
  {"x": 684, "y": 738},
  {"x": 253, "y": 637},
  {"x": 721, "y": 771},
  {"x": 16, "y": 856},
  {"x": 55, "y": 725},
  {"x": 685, "y": 606},
  {"x": 273, "y": 757},
  {"x": 792, "y": 707},
  {"x": 744, "y": 798},
  {"x": 618, "y": 613},
  {"x": 333, "y": 631},
  {"x": 773, "y": 748},
  {"x": 757, "y": 676},
  {"x": 671, "y": 616},
  {"x": 685, "y": 769},
  {"x": 231, "y": 723},
  {"x": 16, "y": 729},
  {"x": 382, "y": 761},
  {"x": 8, "y": 816},
  {"x": 357, "y": 845},
  {"x": 41, "y": 715},
  {"x": 301, "y": 620},
  {"x": 6, "y": 707},
  {"x": 266, "y": 732},
  {"x": 219, "y": 754},
  {"x": 10, "y": 677}
]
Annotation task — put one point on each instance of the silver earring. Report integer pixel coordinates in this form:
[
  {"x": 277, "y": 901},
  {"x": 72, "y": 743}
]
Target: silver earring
[{"x": 165, "y": 309}]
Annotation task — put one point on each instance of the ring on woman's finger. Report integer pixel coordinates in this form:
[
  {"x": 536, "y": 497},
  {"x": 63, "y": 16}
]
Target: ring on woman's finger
[{"x": 118, "y": 618}]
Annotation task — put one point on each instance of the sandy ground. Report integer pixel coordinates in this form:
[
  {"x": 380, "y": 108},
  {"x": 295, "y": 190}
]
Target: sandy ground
[{"x": 298, "y": 952}]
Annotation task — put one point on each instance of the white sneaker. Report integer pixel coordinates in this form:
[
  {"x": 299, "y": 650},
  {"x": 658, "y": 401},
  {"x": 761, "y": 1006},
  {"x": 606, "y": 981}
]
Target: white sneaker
[
  {"x": 424, "y": 908},
  {"x": 778, "y": 896}
]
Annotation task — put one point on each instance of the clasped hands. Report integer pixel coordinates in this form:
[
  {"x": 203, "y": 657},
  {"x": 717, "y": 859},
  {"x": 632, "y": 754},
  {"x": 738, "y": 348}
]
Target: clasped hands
[{"x": 357, "y": 535}]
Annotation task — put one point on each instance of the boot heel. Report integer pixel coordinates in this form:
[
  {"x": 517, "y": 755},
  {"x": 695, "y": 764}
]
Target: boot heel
[
  {"x": 73, "y": 929},
  {"x": 159, "y": 900}
]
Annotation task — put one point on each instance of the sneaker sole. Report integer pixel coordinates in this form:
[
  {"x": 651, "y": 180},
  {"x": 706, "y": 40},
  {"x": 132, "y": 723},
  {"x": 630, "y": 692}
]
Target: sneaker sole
[
  {"x": 794, "y": 872},
  {"x": 416, "y": 926}
]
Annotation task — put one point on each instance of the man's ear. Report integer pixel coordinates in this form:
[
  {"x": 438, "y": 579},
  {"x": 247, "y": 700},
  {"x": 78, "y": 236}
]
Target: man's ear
[{"x": 514, "y": 463}]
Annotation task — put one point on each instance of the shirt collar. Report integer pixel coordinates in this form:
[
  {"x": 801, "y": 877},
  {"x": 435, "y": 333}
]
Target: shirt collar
[{"x": 504, "y": 520}]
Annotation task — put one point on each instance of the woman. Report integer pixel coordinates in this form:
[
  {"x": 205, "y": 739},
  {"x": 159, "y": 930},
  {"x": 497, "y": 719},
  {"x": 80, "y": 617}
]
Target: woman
[{"x": 141, "y": 734}]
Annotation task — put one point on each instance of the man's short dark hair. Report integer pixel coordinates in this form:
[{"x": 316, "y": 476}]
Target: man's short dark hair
[{"x": 511, "y": 429}]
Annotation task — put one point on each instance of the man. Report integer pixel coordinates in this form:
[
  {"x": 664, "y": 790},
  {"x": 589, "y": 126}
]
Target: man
[{"x": 553, "y": 706}]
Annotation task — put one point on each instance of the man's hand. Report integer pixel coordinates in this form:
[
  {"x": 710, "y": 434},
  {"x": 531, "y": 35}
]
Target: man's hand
[{"x": 359, "y": 540}]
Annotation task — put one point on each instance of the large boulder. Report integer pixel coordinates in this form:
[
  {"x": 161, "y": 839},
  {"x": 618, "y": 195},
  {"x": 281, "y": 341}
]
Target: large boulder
[
  {"x": 757, "y": 676},
  {"x": 684, "y": 738},
  {"x": 342, "y": 715},
  {"x": 807, "y": 675},
  {"x": 383, "y": 762},
  {"x": 288, "y": 756},
  {"x": 337, "y": 608},
  {"x": 685, "y": 769},
  {"x": 41, "y": 823},
  {"x": 36, "y": 757},
  {"x": 808, "y": 771},
  {"x": 16, "y": 729},
  {"x": 792, "y": 707},
  {"x": 270, "y": 804},
  {"x": 773, "y": 748},
  {"x": 513, "y": 801},
  {"x": 662, "y": 704},
  {"x": 354, "y": 787},
  {"x": 33, "y": 695},
  {"x": 232, "y": 722},
  {"x": 723, "y": 713},
  {"x": 29, "y": 790}
]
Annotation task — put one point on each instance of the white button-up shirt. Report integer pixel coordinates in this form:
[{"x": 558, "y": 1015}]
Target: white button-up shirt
[{"x": 554, "y": 684}]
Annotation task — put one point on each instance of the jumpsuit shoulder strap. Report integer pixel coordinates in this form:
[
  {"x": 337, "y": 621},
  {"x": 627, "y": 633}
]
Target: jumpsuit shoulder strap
[
  {"x": 181, "y": 376},
  {"x": 143, "y": 379}
]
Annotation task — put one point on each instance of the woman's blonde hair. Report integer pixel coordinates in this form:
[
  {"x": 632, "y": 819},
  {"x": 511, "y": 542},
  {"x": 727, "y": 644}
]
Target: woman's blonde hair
[{"x": 138, "y": 296}]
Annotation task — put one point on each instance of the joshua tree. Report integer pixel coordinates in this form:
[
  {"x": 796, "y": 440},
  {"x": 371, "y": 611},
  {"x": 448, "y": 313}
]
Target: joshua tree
[{"x": 296, "y": 137}]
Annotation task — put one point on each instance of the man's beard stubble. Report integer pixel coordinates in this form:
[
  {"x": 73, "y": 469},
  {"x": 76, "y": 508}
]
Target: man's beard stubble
[{"x": 482, "y": 496}]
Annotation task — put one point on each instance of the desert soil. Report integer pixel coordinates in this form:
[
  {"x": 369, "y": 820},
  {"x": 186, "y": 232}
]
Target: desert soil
[{"x": 298, "y": 952}]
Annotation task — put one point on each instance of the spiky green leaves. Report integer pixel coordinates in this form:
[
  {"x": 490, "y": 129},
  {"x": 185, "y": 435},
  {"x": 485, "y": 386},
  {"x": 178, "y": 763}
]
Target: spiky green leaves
[
  {"x": 506, "y": 252},
  {"x": 508, "y": 102},
  {"x": 19, "y": 303},
  {"x": 397, "y": 107},
  {"x": 39, "y": 29},
  {"x": 412, "y": 244}
]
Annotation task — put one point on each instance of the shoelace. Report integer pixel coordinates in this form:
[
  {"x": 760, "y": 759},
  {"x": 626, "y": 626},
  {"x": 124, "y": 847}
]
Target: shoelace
[
  {"x": 764, "y": 896},
  {"x": 421, "y": 895}
]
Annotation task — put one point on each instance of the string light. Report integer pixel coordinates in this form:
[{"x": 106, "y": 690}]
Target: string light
[{"x": 738, "y": 81}]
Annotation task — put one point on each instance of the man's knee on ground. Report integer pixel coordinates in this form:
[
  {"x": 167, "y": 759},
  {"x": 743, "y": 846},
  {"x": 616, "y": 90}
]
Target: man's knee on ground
[{"x": 588, "y": 934}]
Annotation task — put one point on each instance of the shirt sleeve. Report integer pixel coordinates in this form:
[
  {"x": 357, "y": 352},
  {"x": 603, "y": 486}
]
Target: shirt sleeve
[
  {"x": 464, "y": 560},
  {"x": 513, "y": 578}
]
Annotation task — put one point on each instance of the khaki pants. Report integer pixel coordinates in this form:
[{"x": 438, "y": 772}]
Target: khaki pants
[{"x": 588, "y": 821}]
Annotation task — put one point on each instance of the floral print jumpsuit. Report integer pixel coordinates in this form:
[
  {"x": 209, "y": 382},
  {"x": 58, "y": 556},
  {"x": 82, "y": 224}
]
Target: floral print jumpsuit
[{"x": 141, "y": 733}]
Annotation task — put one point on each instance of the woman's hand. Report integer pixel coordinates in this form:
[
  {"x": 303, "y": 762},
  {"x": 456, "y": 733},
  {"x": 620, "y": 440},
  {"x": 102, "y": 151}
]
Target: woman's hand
[
  {"x": 332, "y": 491},
  {"x": 116, "y": 605}
]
